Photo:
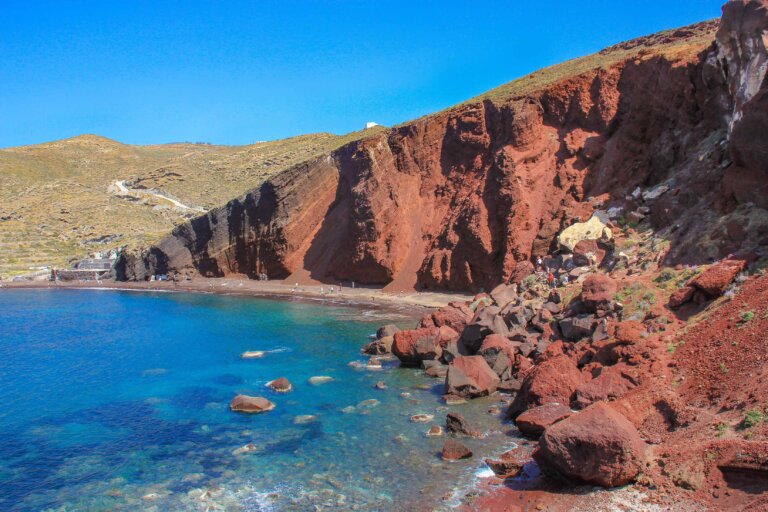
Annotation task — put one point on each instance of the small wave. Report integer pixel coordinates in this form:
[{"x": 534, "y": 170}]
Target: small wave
[{"x": 278, "y": 350}]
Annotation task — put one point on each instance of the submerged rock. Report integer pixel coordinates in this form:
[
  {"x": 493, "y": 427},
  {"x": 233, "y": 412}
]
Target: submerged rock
[
  {"x": 455, "y": 423},
  {"x": 422, "y": 418},
  {"x": 303, "y": 419},
  {"x": 454, "y": 450},
  {"x": 434, "y": 431},
  {"x": 320, "y": 379},
  {"x": 250, "y": 404}
]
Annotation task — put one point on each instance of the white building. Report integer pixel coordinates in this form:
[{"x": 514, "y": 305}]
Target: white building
[{"x": 370, "y": 124}]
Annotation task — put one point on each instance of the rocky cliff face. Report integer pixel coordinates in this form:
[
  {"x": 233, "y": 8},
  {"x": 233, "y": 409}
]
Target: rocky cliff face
[{"x": 465, "y": 198}]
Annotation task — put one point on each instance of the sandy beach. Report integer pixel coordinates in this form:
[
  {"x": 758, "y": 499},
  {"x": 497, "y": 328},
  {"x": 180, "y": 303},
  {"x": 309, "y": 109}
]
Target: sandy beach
[{"x": 271, "y": 289}]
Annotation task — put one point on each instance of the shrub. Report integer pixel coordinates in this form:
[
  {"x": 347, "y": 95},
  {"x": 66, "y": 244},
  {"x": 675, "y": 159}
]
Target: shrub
[{"x": 753, "y": 418}]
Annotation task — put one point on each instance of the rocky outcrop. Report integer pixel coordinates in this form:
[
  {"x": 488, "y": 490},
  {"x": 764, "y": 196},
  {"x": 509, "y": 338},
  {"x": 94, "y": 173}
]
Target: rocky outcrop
[{"x": 466, "y": 198}]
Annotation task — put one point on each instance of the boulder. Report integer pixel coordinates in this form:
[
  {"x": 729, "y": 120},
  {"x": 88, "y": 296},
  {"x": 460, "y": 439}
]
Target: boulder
[
  {"x": 534, "y": 421},
  {"x": 717, "y": 278},
  {"x": 439, "y": 371},
  {"x": 488, "y": 320},
  {"x": 428, "y": 348},
  {"x": 250, "y": 404},
  {"x": 588, "y": 252},
  {"x": 455, "y": 423},
  {"x": 386, "y": 330},
  {"x": 454, "y": 450},
  {"x": 577, "y": 327},
  {"x": 446, "y": 335},
  {"x": 597, "y": 446},
  {"x": 504, "y": 294},
  {"x": 553, "y": 381},
  {"x": 470, "y": 376},
  {"x": 281, "y": 385},
  {"x": 597, "y": 292},
  {"x": 499, "y": 353},
  {"x": 455, "y": 315},
  {"x": 510, "y": 463},
  {"x": 611, "y": 384},
  {"x": 405, "y": 344},
  {"x": 595, "y": 228},
  {"x": 380, "y": 346},
  {"x": 681, "y": 296}
]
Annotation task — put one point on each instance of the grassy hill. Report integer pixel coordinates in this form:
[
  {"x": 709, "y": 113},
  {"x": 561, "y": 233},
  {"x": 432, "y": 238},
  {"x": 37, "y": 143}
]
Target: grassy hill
[{"x": 58, "y": 200}]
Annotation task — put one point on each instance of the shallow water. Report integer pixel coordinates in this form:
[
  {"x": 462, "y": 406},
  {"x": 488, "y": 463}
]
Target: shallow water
[{"x": 119, "y": 400}]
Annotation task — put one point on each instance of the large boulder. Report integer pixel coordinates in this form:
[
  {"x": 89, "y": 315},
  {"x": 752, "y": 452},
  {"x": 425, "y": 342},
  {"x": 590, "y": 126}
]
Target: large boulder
[
  {"x": 681, "y": 296},
  {"x": 499, "y": 352},
  {"x": 611, "y": 384},
  {"x": 597, "y": 292},
  {"x": 455, "y": 315},
  {"x": 386, "y": 330},
  {"x": 588, "y": 252},
  {"x": 717, "y": 278},
  {"x": 409, "y": 346},
  {"x": 380, "y": 346},
  {"x": 488, "y": 320},
  {"x": 553, "y": 381},
  {"x": 510, "y": 463},
  {"x": 504, "y": 294},
  {"x": 577, "y": 327},
  {"x": 596, "y": 228},
  {"x": 597, "y": 446},
  {"x": 470, "y": 376},
  {"x": 250, "y": 404},
  {"x": 533, "y": 422},
  {"x": 456, "y": 423}
]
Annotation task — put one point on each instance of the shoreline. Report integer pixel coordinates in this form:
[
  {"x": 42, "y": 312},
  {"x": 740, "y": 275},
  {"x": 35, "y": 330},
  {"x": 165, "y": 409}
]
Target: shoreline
[{"x": 276, "y": 290}]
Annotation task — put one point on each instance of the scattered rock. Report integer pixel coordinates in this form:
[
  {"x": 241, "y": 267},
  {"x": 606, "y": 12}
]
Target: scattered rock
[
  {"x": 380, "y": 346},
  {"x": 434, "y": 431},
  {"x": 250, "y": 404},
  {"x": 611, "y": 384},
  {"x": 248, "y": 448},
  {"x": 386, "y": 331},
  {"x": 422, "y": 418},
  {"x": 320, "y": 379},
  {"x": 380, "y": 385},
  {"x": 597, "y": 292},
  {"x": 577, "y": 327},
  {"x": 281, "y": 385},
  {"x": 470, "y": 376},
  {"x": 534, "y": 421},
  {"x": 510, "y": 463},
  {"x": 450, "y": 399},
  {"x": 414, "y": 345},
  {"x": 503, "y": 294},
  {"x": 681, "y": 296},
  {"x": 597, "y": 445},
  {"x": 453, "y": 450},
  {"x": 553, "y": 381},
  {"x": 303, "y": 419},
  {"x": 455, "y": 423},
  {"x": 717, "y": 278}
]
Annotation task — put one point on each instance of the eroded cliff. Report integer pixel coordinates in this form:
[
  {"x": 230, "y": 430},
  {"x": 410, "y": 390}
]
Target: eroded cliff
[{"x": 465, "y": 198}]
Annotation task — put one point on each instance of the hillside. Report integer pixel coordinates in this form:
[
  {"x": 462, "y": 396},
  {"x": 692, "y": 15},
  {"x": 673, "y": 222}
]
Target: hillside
[
  {"x": 58, "y": 200},
  {"x": 466, "y": 198}
]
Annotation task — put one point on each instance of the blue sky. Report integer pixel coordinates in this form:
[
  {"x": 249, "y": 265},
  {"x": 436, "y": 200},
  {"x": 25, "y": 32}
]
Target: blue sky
[{"x": 237, "y": 72}]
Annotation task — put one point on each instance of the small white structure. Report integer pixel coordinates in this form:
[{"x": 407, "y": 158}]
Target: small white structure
[{"x": 370, "y": 124}]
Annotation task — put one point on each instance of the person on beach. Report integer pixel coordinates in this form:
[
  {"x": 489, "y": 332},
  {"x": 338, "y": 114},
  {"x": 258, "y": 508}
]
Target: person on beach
[
  {"x": 539, "y": 262},
  {"x": 551, "y": 279}
]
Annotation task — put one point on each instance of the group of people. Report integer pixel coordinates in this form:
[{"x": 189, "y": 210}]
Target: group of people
[
  {"x": 263, "y": 276},
  {"x": 555, "y": 278}
]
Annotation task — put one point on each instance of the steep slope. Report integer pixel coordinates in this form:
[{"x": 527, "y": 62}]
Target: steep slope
[
  {"x": 58, "y": 200},
  {"x": 466, "y": 198}
]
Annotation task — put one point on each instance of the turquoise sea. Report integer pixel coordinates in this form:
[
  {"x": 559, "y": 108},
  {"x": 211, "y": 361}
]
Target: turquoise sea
[{"x": 118, "y": 400}]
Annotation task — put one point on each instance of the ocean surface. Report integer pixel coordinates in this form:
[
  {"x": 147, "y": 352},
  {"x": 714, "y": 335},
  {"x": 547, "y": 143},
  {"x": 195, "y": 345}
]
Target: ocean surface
[{"x": 120, "y": 401}]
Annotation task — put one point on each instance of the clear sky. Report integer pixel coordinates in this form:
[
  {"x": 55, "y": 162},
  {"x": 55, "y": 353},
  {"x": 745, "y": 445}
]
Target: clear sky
[{"x": 236, "y": 72}]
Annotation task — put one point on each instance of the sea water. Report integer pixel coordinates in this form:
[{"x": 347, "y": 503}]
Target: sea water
[{"x": 120, "y": 401}]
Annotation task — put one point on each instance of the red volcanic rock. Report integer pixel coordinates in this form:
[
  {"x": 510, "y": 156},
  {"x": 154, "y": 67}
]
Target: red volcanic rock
[
  {"x": 456, "y": 315},
  {"x": 454, "y": 450},
  {"x": 553, "y": 381},
  {"x": 470, "y": 376},
  {"x": 250, "y": 404},
  {"x": 455, "y": 423},
  {"x": 410, "y": 346},
  {"x": 386, "y": 330},
  {"x": 612, "y": 383},
  {"x": 629, "y": 332},
  {"x": 281, "y": 385},
  {"x": 446, "y": 336},
  {"x": 588, "y": 252},
  {"x": 597, "y": 292},
  {"x": 499, "y": 353},
  {"x": 717, "y": 278},
  {"x": 597, "y": 446},
  {"x": 681, "y": 296},
  {"x": 533, "y": 422},
  {"x": 504, "y": 294},
  {"x": 510, "y": 463}
]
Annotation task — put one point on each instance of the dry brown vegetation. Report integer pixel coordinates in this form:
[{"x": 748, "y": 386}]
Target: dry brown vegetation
[{"x": 55, "y": 203}]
